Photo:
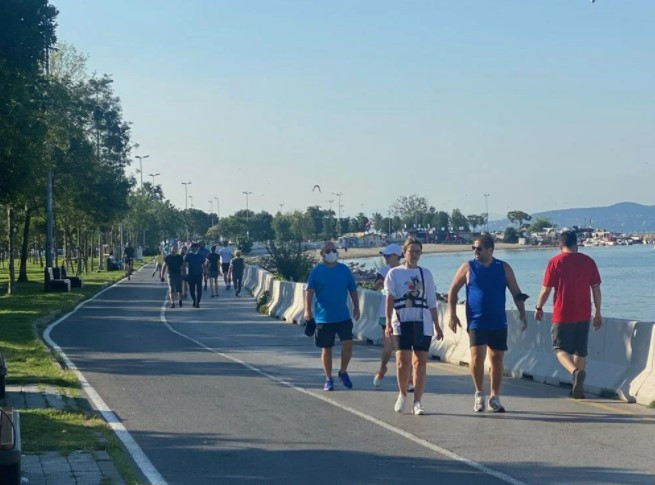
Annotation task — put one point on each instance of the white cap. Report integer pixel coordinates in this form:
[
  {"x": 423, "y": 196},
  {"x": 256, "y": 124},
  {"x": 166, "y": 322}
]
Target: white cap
[{"x": 392, "y": 249}]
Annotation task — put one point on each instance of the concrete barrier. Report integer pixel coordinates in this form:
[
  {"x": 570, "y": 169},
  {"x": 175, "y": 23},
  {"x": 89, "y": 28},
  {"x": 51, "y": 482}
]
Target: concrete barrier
[
  {"x": 294, "y": 313},
  {"x": 285, "y": 299},
  {"x": 367, "y": 328}
]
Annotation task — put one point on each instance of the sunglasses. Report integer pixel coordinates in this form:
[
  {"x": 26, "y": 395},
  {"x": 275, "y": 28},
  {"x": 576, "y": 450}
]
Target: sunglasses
[
  {"x": 477, "y": 248},
  {"x": 328, "y": 251},
  {"x": 415, "y": 252}
]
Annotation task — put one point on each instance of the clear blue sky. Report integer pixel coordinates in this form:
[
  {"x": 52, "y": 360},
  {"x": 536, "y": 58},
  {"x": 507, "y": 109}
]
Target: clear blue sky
[{"x": 541, "y": 104}]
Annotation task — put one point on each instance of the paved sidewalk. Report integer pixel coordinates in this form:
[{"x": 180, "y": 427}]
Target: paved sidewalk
[{"x": 52, "y": 468}]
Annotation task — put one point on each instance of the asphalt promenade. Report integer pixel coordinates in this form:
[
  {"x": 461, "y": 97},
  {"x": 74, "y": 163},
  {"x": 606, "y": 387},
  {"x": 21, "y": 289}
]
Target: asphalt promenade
[{"x": 222, "y": 394}]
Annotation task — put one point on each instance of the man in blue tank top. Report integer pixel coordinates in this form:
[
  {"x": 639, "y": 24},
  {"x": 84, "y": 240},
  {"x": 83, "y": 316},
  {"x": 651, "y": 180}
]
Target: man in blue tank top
[{"x": 486, "y": 279}]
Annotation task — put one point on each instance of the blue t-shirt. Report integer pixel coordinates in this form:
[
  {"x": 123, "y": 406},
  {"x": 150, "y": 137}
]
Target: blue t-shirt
[
  {"x": 331, "y": 287},
  {"x": 195, "y": 264},
  {"x": 485, "y": 296}
]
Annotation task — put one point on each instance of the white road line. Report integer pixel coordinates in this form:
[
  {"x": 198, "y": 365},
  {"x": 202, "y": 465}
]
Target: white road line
[
  {"x": 420, "y": 441},
  {"x": 140, "y": 458}
]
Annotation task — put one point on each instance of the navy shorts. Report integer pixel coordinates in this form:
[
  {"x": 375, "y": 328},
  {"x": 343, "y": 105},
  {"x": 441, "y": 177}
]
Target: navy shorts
[
  {"x": 411, "y": 338},
  {"x": 495, "y": 339},
  {"x": 325, "y": 336},
  {"x": 572, "y": 338},
  {"x": 175, "y": 283},
  {"x": 213, "y": 273}
]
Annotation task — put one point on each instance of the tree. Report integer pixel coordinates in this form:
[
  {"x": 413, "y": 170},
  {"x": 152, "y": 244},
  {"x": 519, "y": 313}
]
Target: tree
[
  {"x": 458, "y": 221},
  {"x": 410, "y": 208},
  {"x": 261, "y": 228},
  {"x": 281, "y": 225},
  {"x": 518, "y": 217},
  {"x": 378, "y": 223},
  {"x": 475, "y": 220},
  {"x": 27, "y": 31},
  {"x": 539, "y": 224},
  {"x": 511, "y": 235}
]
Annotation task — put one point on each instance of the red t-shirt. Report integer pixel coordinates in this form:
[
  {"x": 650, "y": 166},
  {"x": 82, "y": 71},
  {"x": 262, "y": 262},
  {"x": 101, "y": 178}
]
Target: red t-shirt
[{"x": 572, "y": 275}]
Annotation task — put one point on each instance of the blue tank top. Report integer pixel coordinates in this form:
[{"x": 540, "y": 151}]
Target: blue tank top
[{"x": 485, "y": 296}]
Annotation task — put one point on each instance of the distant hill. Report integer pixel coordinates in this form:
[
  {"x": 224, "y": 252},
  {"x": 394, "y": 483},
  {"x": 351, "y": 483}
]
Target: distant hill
[{"x": 621, "y": 217}]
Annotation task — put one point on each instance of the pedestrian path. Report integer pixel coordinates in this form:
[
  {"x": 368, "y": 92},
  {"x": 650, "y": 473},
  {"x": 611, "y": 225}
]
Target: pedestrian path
[
  {"x": 52, "y": 468},
  {"x": 222, "y": 394}
]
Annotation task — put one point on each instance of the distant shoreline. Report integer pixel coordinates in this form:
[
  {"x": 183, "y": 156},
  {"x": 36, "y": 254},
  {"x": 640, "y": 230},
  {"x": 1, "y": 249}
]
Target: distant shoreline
[{"x": 357, "y": 253}]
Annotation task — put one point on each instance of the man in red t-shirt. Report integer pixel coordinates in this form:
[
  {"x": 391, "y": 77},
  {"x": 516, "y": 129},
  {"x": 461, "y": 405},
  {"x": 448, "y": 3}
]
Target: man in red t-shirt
[{"x": 572, "y": 274}]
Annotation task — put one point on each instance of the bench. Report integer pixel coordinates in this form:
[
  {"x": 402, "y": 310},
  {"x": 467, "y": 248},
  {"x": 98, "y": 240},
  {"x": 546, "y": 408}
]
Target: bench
[
  {"x": 10, "y": 447},
  {"x": 75, "y": 281},
  {"x": 53, "y": 282}
]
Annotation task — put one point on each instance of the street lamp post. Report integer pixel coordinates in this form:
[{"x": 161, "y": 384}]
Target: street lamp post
[
  {"x": 218, "y": 209},
  {"x": 141, "y": 166},
  {"x": 186, "y": 197},
  {"x": 211, "y": 211},
  {"x": 339, "y": 194},
  {"x": 191, "y": 197},
  {"x": 486, "y": 203},
  {"x": 281, "y": 208},
  {"x": 153, "y": 175},
  {"x": 247, "y": 215}
]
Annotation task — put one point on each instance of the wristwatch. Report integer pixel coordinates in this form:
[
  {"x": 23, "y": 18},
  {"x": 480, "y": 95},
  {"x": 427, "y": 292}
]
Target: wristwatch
[{"x": 539, "y": 309}]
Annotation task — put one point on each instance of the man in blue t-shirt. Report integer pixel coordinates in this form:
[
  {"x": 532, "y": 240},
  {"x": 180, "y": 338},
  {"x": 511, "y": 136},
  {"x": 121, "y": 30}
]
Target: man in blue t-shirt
[{"x": 328, "y": 286}]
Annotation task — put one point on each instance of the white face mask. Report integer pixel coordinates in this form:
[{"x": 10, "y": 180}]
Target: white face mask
[{"x": 331, "y": 257}]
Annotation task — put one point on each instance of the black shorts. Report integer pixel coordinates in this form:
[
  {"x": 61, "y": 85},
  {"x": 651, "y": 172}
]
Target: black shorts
[
  {"x": 411, "y": 338},
  {"x": 495, "y": 339},
  {"x": 572, "y": 338},
  {"x": 325, "y": 336},
  {"x": 226, "y": 267},
  {"x": 175, "y": 283}
]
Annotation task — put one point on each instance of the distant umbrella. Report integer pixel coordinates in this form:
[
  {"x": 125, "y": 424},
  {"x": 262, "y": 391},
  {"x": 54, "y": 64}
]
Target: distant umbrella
[{"x": 316, "y": 187}]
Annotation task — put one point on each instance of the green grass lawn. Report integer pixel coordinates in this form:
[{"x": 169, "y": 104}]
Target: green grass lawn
[{"x": 30, "y": 361}]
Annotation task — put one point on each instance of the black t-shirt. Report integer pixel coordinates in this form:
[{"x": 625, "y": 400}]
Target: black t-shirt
[
  {"x": 213, "y": 259},
  {"x": 195, "y": 263},
  {"x": 237, "y": 266},
  {"x": 174, "y": 263},
  {"x": 129, "y": 252}
]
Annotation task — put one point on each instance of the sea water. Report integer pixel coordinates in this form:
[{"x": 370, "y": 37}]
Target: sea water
[{"x": 627, "y": 273}]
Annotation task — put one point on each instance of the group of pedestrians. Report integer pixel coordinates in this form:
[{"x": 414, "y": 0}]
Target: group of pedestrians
[
  {"x": 187, "y": 271},
  {"x": 410, "y": 319}
]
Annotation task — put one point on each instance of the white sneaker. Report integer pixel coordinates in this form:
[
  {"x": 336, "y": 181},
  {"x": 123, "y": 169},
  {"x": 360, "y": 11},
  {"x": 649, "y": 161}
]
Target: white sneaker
[
  {"x": 418, "y": 409},
  {"x": 400, "y": 403},
  {"x": 377, "y": 380},
  {"x": 410, "y": 387},
  {"x": 494, "y": 404},
  {"x": 478, "y": 402}
]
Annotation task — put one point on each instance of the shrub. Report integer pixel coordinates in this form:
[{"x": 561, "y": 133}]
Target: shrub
[
  {"x": 262, "y": 303},
  {"x": 288, "y": 261}
]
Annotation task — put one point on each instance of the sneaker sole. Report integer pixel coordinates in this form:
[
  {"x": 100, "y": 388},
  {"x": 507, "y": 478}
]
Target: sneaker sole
[{"x": 578, "y": 385}]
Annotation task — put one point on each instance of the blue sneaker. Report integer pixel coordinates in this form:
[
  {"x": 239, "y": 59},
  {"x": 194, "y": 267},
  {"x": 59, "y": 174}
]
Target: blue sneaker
[
  {"x": 345, "y": 380},
  {"x": 329, "y": 384}
]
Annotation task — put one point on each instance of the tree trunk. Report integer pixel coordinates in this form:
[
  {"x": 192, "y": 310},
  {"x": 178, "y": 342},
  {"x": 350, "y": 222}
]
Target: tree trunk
[
  {"x": 10, "y": 230},
  {"x": 79, "y": 250},
  {"x": 22, "y": 272}
]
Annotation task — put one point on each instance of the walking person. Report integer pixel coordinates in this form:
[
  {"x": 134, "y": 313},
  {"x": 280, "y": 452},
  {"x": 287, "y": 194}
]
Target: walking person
[
  {"x": 328, "y": 287},
  {"x": 195, "y": 266},
  {"x": 411, "y": 320},
  {"x": 575, "y": 278},
  {"x": 486, "y": 279},
  {"x": 185, "y": 283},
  {"x": 159, "y": 261},
  {"x": 226, "y": 256},
  {"x": 237, "y": 265},
  {"x": 213, "y": 262},
  {"x": 392, "y": 254},
  {"x": 204, "y": 252},
  {"x": 173, "y": 270}
]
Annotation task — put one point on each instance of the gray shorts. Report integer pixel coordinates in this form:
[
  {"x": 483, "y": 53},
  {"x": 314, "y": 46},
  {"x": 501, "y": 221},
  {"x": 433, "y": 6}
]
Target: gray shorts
[
  {"x": 572, "y": 338},
  {"x": 175, "y": 283}
]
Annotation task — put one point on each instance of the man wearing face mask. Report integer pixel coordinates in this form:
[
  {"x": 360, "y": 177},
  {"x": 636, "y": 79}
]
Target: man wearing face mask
[
  {"x": 195, "y": 263},
  {"x": 328, "y": 286}
]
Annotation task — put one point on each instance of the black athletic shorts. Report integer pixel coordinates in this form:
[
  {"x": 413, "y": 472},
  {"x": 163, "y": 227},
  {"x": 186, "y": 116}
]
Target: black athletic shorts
[
  {"x": 411, "y": 337},
  {"x": 325, "y": 336},
  {"x": 225, "y": 267},
  {"x": 572, "y": 338},
  {"x": 495, "y": 339}
]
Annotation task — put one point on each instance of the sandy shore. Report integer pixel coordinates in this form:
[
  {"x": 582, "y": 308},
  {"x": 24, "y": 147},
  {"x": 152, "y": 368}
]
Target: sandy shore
[{"x": 355, "y": 253}]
